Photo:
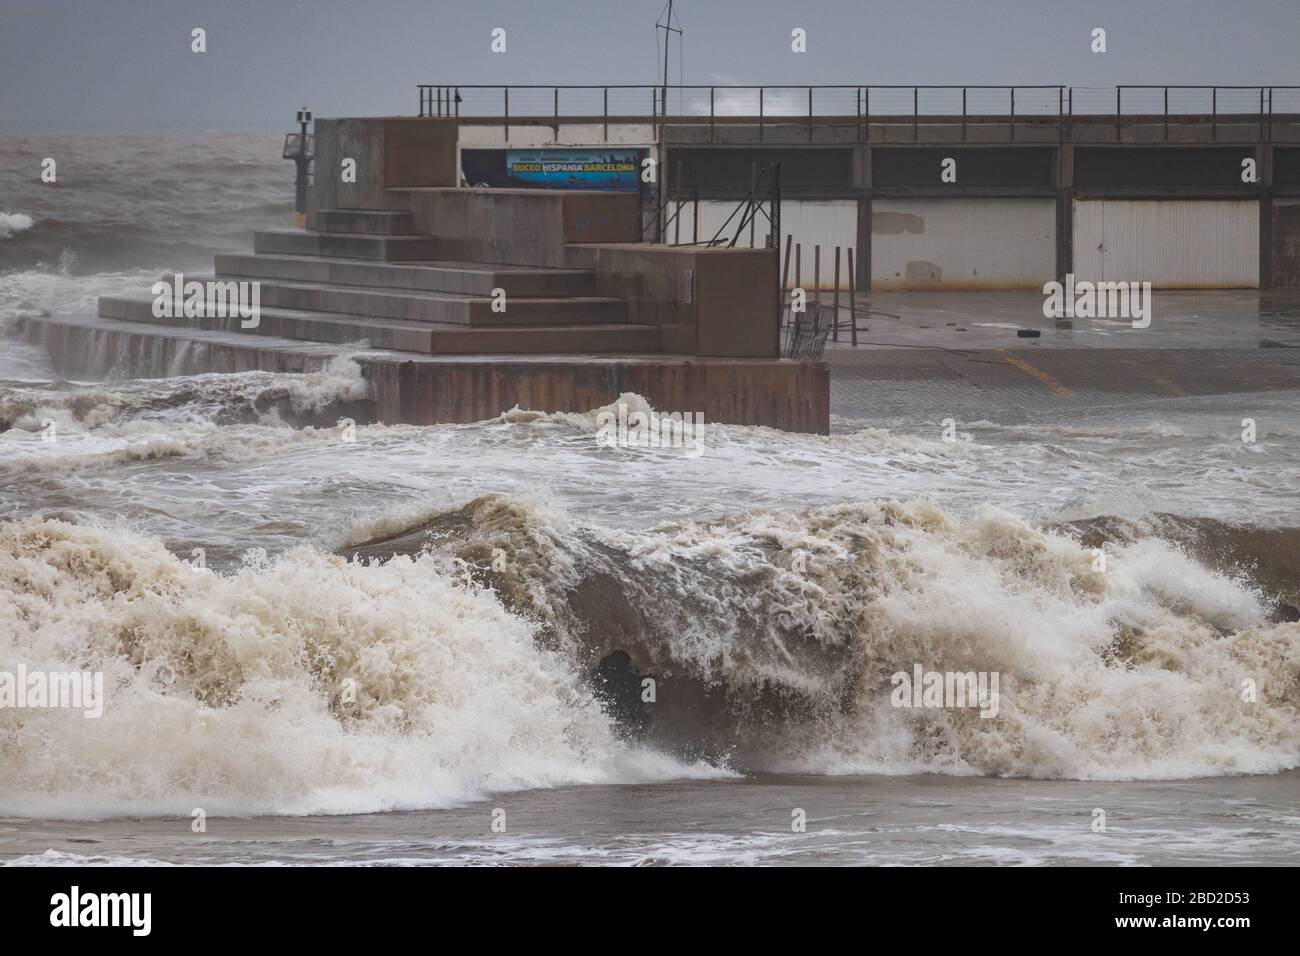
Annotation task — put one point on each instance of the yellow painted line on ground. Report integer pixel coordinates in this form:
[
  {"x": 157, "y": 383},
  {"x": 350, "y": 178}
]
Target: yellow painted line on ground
[{"x": 1035, "y": 372}]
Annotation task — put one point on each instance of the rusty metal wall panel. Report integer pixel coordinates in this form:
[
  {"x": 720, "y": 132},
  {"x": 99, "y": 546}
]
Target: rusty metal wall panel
[
  {"x": 1171, "y": 243},
  {"x": 963, "y": 243},
  {"x": 828, "y": 223},
  {"x": 1286, "y": 244}
]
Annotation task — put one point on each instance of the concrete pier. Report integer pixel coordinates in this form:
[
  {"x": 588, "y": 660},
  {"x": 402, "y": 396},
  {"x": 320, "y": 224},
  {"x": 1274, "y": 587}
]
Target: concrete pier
[
  {"x": 461, "y": 304},
  {"x": 425, "y": 389}
]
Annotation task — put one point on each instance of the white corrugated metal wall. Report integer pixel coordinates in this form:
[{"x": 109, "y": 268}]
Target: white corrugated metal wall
[
  {"x": 963, "y": 243},
  {"x": 829, "y": 223},
  {"x": 1171, "y": 243}
]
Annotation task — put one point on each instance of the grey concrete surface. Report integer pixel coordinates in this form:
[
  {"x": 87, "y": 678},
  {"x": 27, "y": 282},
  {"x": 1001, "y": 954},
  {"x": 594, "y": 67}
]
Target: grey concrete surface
[
  {"x": 1231, "y": 319},
  {"x": 960, "y": 350}
]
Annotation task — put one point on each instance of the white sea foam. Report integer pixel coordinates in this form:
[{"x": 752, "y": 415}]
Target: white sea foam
[
  {"x": 229, "y": 691},
  {"x": 12, "y": 223},
  {"x": 303, "y": 685},
  {"x": 1134, "y": 671}
]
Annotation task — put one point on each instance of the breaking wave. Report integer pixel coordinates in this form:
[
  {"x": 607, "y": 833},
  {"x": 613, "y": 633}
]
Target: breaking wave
[
  {"x": 199, "y": 416},
  {"x": 470, "y": 643},
  {"x": 774, "y": 637},
  {"x": 303, "y": 685}
]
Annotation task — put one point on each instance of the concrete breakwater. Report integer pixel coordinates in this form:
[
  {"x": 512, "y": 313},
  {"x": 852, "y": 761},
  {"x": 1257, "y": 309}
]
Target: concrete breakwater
[
  {"x": 423, "y": 390},
  {"x": 461, "y": 304}
]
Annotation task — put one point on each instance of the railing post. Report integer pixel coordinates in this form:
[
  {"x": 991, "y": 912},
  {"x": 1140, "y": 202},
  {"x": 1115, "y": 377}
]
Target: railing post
[
  {"x": 866, "y": 111},
  {"x": 710, "y": 114},
  {"x": 760, "y": 114},
  {"x": 1013, "y": 114},
  {"x": 1119, "y": 110},
  {"x": 1060, "y": 114},
  {"x": 963, "y": 114},
  {"x": 605, "y": 114},
  {"x": 1214, "y": 113},
  {"x": 857, "y": 106},
  {"x": 507, "y": 113},
  {"x": 810, "y": 114},
  {"x": 915, "y": 115},
  {"x": 1261, "y": 112},
  {"x": 1166, "y": 114}
]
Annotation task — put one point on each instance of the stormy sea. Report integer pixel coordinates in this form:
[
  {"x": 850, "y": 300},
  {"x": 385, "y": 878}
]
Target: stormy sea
[{"x": 505, "y": 642}]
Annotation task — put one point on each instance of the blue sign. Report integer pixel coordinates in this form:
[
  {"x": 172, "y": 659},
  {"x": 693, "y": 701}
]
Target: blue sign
[{"x": 604, "y": 169}]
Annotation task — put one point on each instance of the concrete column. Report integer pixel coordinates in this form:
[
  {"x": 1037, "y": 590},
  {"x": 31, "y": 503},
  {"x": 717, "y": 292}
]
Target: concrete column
[
  {"x": 862, "y": 186},
  {"x": 1264, "y": 164},
  {"x": 1064, "y": 211}
]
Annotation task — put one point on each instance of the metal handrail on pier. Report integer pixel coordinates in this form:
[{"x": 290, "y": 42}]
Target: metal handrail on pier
[{"x": 1016, "y": 106}]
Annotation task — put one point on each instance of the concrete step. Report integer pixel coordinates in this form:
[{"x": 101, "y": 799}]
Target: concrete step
[
  {"x": 287, "y": 323},
  {"x": 446, "y": 307},
  {"x": 423, "y": 337},
  {"x": 466, "y": 278},
  {"x": 350, "y": 245},
  {"x": 369, "y": 222}
]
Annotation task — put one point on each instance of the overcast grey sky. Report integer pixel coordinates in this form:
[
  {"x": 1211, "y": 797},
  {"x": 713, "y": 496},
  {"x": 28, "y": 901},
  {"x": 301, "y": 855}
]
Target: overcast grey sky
[{"x": 126, "y": 65}]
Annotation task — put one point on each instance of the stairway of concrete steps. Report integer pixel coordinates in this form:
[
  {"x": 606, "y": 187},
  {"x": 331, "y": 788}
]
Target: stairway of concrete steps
[{"x": 365, "y": 276}]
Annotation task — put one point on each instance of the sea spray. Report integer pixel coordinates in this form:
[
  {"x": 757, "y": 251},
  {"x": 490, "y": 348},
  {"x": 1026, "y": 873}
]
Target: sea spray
[
  {"x": 783, "y": 630},
  {"x": 226, "y": 691}
]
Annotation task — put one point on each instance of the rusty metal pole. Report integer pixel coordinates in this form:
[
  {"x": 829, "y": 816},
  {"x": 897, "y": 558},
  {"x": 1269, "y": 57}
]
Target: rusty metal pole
[
  {"x": 695, "y": 207},
  {"x": 785, "y": 269},
  {"x": 853, "y": 301},
  {"x": 798, "y": 265},
  {"x": 817, "y": 273},
  {"x": 835, "y": 298}
]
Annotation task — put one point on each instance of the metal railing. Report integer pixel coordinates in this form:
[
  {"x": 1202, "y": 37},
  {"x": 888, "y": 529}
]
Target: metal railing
[{"x": 861, "y": 105}]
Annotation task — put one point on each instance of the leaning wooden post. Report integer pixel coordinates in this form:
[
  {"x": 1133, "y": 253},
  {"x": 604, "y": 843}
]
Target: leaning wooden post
[
  {"x": 853, "y": 302},
  {"x": 835, "y": 296},
  {"x": 785, "y": 269},
  {"x": 817, "y": 274},
  {"x": 798, "y": 266}
]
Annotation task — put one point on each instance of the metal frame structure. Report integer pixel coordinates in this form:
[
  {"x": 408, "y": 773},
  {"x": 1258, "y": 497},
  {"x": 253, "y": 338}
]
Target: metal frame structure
[{"x": 1016, "y": 106}]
